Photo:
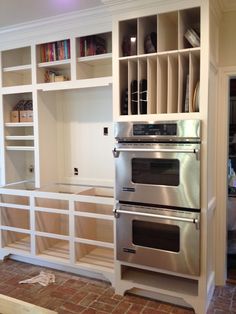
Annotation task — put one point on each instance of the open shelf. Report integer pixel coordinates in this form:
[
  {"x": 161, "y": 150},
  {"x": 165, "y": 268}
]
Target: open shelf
[
  {"x": 52, "y": 223},
  {"x": 52, "y": 249},
  {"x": 53, "y": 61},
  {"x": 16, "y": 67},
  {"x": 94, "y": 229},
  {"x": 8, "y": 199},
  {"x": 92, "y": 255},
  {"x": 51, "y": 204},
  {"x": 160, "y": 282},
  {"x": 19, "y": 124},
  {"x": 83, "y": 208},
  {"x": 15, "y": 217},
  {"x": 16, "y": 241}
]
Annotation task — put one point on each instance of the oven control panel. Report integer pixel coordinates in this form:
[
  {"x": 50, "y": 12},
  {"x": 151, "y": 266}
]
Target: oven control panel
[{"x": 169, "y": 129}]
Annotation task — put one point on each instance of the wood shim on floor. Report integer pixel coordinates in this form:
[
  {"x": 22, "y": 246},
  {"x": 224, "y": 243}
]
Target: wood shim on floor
[{"x": 10, "y": 305}]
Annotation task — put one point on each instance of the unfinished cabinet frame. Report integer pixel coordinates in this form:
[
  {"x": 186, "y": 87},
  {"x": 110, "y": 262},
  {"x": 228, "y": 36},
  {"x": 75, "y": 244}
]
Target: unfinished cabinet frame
[{"x": 66, "y": 224}]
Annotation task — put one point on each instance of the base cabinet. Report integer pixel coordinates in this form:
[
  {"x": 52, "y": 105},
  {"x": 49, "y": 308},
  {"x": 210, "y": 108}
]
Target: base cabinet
[{"x": 73, "y": 227}]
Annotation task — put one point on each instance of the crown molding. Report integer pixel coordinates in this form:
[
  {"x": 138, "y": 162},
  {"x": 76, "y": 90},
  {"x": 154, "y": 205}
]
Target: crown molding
[
  {"x": 77, "y": 23},
  {"x": 117, "y": 6}
]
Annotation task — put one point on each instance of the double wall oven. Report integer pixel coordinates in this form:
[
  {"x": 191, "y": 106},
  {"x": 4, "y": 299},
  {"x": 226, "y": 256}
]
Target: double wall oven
[{"x": 158, "y": 194}]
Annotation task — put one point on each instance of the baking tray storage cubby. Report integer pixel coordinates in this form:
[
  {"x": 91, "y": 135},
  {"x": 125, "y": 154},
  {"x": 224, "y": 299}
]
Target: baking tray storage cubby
[{"x": 166, "y": 57}]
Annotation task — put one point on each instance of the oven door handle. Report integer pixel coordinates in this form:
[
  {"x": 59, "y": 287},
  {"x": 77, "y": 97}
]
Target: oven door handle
[
  {"x": 116, "y": 151},
  {"x": 181, "y": 219}
]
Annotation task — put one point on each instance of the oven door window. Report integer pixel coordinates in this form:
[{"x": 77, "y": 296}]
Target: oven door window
[
  {"x": 156, "y": 235},
  {"x": 156, "y": 171}
]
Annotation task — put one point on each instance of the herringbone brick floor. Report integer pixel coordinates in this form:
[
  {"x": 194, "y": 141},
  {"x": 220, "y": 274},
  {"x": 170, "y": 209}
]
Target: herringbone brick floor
[{"x": 72, "y": 294}]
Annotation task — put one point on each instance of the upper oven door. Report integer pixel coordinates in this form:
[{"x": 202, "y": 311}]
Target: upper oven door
[{"x": 161, "y": 174}]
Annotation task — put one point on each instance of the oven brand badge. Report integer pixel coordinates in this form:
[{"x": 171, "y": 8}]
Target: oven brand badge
[
  {"x": 127, "y": 250},
  {"x": 127, "y": 189}
]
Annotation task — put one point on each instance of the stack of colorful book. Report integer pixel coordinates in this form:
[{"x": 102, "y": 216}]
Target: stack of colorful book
[{"x": 54, "y": 51}]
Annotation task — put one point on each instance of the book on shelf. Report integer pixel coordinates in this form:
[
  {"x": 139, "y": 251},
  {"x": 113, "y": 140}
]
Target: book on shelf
[
  {"x": 55, "y": 51},
  {"x": 92, "y": 45}
]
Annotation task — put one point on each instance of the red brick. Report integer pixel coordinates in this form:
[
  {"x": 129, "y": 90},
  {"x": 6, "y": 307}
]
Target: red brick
[
  {"x": 79, "y": 296},
  {"x": 122, "y": 307},
  {"x": 136, "y": 308},
  {"x": 89, "y": 311},
  {"x": 102, "y": 306},
  {"x": 87, "y": 300},
  {"x": 108, "y": 300},
  {"x": 154, "y": 304},
  {"x": 149, "y": 310},
  {"x": 72, "y": 307},
  {"x": 73, "y": 283},
  {"x": 135, "y": 299},
  {"x": 92, "y": 288}
]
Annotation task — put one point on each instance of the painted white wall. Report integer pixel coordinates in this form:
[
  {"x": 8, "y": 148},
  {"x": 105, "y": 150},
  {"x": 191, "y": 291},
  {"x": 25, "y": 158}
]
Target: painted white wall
[{"x": 227, "y": 46}]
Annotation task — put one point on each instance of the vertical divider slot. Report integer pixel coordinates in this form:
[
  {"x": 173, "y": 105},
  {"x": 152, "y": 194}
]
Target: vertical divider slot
[
  {"x": 152, "y": 85},
  {"x": 124, "y": 87},
  {"x": 162, "y": 65},
  {"x": 133, "y": 86},
  {"x": 172, "y": 88},
  {"x": 183, "y": 86},
  {"x": 194, "y": 65},
  {"x": 142, "y": 85}
]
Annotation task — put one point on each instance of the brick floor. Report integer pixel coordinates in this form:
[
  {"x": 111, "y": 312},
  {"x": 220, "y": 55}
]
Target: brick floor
[{"x": 72, "y": 294}]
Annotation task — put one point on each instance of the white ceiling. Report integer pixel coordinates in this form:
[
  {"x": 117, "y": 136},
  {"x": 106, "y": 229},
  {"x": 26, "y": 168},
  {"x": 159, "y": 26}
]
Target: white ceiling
[
  {"x": 20, "y": 11},
  {"x": 13, "y": 12}
]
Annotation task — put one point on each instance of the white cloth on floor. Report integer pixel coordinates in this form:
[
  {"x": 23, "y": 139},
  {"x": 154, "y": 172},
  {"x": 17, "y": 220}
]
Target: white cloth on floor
[{"x": 43, "y": 279}]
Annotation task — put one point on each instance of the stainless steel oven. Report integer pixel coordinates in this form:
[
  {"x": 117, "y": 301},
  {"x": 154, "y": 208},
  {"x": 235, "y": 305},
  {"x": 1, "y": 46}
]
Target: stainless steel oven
[
  {"x": 158, "y": 194},
  {"x": 158, "y": 163},
  {"x": 161, "y": 238}
]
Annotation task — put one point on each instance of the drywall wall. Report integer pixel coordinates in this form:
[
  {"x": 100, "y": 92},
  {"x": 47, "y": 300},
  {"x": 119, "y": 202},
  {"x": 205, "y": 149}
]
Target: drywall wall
[{"x": 227, "y": 40}]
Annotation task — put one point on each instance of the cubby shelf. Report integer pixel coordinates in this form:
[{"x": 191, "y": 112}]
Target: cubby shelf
[
  {"x": 25, "y": 67},
  {"x": 158, "y": 65}
]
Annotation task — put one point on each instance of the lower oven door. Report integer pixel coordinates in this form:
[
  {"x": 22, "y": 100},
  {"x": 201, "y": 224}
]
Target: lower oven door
[{"x": 160, "y": 238}]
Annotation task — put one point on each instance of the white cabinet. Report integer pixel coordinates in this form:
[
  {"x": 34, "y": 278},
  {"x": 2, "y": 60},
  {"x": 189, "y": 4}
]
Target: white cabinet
[
  {"x": 68, "y": 83},
  {"x": 65, "y": 224},
  {"x": 158, "y": 67},
  {"x": 56, "y": 114}
]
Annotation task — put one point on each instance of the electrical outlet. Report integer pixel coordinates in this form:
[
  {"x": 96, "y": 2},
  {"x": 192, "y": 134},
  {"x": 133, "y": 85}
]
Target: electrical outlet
[
  {"x": 76, "y": 171},
  {"x": 31, "y": 168},
  {"x": 105, "y": 131}
]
